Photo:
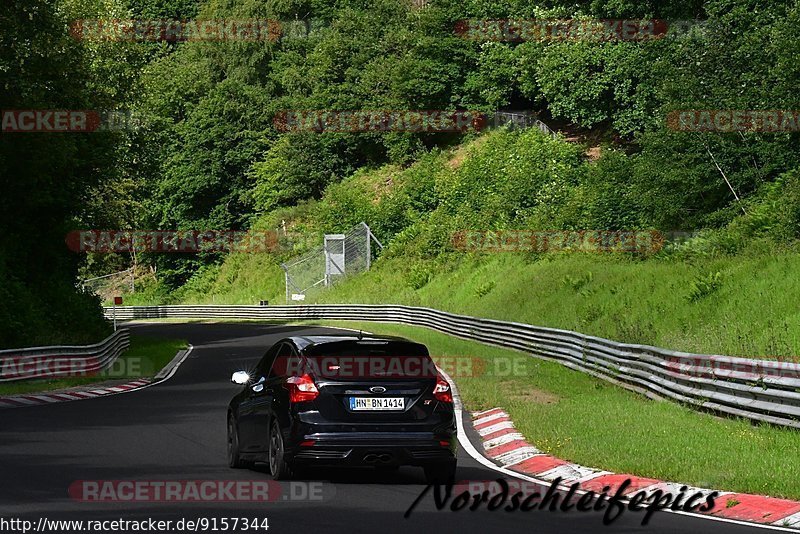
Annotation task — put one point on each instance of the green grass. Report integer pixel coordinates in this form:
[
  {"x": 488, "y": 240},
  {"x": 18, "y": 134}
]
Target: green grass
[
  {"x": 145, "y": 358},
  {"x": 731, "y": 291},
  {"x": 585, "y": 420},
  {"x": 752, "y": 313},
  {"x": 242, "y": 278},
  {"x": 750, "y": 309}
]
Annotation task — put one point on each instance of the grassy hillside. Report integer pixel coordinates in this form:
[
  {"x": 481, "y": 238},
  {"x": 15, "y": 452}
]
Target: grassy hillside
[
  {"x": 753, "y": 312},
  {"x": 730, "y": 290}
]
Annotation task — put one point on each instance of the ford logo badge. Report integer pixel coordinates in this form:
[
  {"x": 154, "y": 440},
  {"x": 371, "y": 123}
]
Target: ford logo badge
[{"x": 378, "y": 389}]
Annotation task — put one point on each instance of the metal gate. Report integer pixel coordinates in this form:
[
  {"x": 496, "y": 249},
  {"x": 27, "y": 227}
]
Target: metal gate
[{"x": 339, "y": 255}]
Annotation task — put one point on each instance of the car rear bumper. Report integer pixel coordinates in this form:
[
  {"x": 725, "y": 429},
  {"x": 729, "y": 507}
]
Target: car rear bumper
[{"x": 375, "y": 448}]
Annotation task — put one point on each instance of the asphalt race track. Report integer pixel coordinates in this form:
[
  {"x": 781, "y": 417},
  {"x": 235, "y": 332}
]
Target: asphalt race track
[{"x": 176, "y": 431}]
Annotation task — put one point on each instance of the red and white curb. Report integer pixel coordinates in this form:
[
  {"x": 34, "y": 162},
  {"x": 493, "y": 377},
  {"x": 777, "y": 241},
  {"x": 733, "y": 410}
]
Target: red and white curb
[
  {"x": 508, "y": 448},
  {"x": 89, "y": 392},
  {"x": 71, "y": 395}
]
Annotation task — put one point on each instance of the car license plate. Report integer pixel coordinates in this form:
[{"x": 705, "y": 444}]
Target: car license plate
[{"x": 377, "y": 403}]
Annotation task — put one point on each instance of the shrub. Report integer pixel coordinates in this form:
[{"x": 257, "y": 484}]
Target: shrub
[{"x": 702, "y": 286}]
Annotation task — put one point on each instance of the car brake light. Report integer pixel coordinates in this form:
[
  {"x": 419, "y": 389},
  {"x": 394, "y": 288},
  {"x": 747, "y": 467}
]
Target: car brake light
[
  {"x": 442, "y": 390},
  {"x": 301, "y": 388}
]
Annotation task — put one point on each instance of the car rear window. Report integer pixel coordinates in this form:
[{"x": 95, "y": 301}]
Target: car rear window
[{"x": 371, "y": 359}]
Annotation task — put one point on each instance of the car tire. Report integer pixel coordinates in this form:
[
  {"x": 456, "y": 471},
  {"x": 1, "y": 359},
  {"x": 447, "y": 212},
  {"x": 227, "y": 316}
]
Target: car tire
[
  {"x": 279, "y": 468},
  {"x": 234, "y": 457},
  {"x": 440, "y": 473}
]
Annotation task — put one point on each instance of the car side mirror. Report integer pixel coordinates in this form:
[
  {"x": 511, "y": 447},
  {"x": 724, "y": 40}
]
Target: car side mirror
[{"x": 240, "y": 377}]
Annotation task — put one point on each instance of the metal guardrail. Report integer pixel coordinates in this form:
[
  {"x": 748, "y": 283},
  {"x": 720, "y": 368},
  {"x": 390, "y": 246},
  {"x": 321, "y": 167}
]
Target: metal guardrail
[
  {"x": 60, "y": 361},
  {"x": 767, "y": 391}
]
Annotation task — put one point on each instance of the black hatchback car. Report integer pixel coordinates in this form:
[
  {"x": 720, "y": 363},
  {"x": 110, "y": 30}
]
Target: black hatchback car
[{"x": 344, "y": 400}]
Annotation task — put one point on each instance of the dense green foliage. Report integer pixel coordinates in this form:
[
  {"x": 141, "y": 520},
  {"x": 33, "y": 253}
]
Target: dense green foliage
[
  {"x": 731, "y": 290},
  {"x": 208, "y": 154},
  {"x": 218, "y": 159},
  {"x": 50, "y": 180}
]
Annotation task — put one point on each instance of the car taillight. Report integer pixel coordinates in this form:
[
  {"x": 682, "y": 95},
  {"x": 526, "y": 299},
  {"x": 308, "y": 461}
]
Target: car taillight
[
  {"x": 442, "y": 390},
  {"x": 301, "y": 388}
]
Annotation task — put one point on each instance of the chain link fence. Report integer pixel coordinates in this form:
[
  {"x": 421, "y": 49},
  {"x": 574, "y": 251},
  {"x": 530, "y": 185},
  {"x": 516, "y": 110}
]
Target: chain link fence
[
  {"x": 520, "y": 120},
  {"x": 340, "y": 255},
  {"x": 121, "y": 280}
]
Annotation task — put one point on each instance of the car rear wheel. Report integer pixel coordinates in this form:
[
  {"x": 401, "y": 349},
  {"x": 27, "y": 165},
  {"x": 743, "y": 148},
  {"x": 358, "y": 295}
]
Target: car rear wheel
[
  {"x": 279, "y": 468},
  {"x": 234, "y": 458},
  {"x": 440, "y": 473}
]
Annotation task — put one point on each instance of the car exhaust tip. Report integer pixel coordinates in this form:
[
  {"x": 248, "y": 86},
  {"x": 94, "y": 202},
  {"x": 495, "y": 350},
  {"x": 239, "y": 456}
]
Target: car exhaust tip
[{"x": 378, "y": 458}]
